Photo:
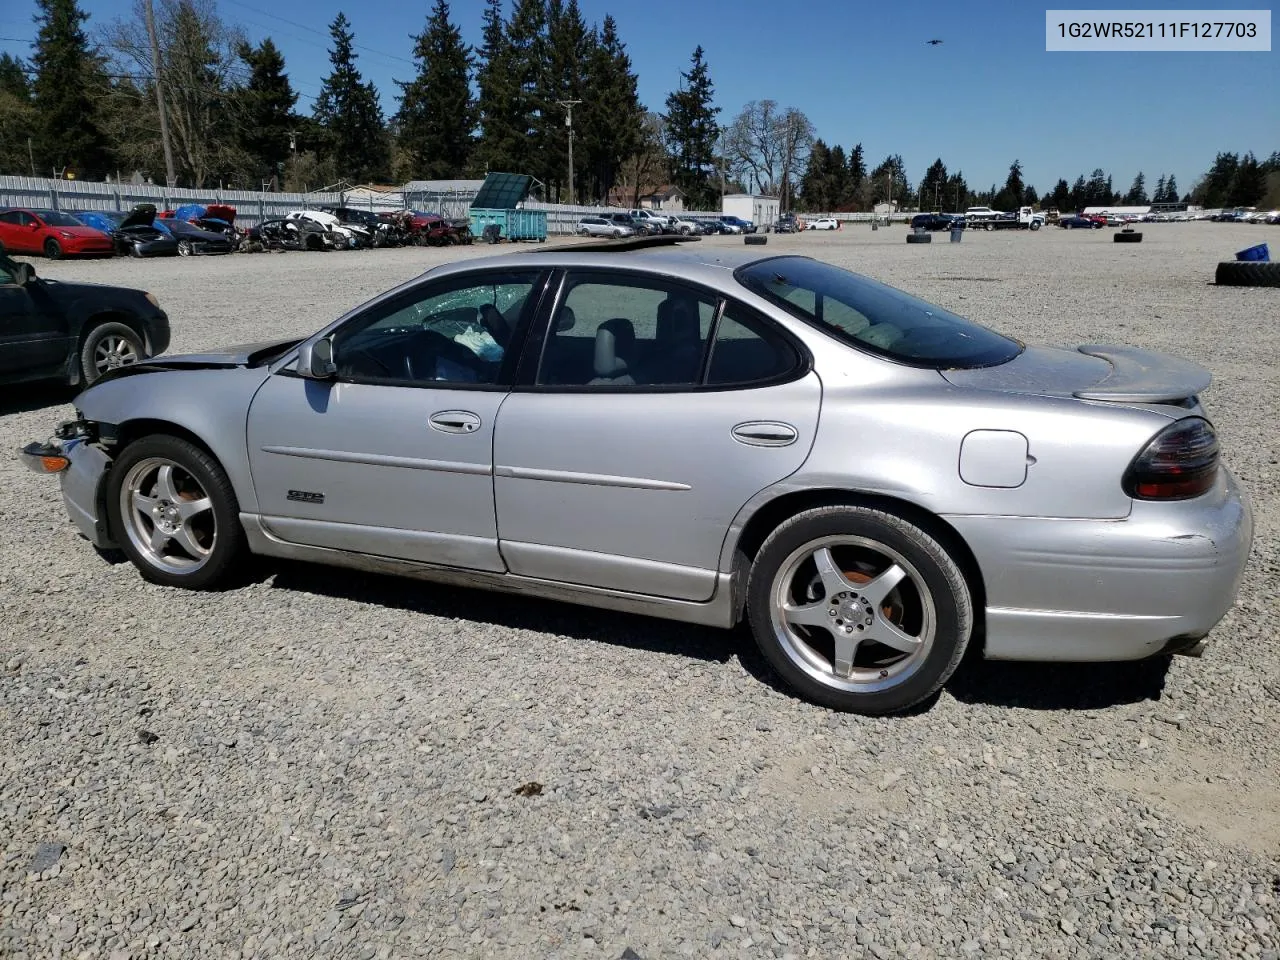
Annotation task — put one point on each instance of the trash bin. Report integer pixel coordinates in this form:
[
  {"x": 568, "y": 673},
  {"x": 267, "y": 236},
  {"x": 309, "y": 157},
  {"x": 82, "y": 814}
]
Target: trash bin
[
  {"x": 874, "y": 225},
  {"x": 1260, "y": 253},
  {"x": 957, "y": 234}
]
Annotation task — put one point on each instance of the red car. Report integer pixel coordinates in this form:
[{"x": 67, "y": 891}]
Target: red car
[{"x": 52, "y": 233}]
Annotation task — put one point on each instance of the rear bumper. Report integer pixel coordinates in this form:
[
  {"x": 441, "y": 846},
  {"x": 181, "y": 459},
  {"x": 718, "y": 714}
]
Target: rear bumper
[{"x": 1094, "y": 590}]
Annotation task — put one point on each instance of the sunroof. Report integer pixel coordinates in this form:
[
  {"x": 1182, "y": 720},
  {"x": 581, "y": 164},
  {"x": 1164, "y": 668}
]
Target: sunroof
[{"x": 502, "y": 191}]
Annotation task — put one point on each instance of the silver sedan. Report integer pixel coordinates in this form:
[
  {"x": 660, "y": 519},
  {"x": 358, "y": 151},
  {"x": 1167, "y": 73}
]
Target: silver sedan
[{"x": 874, "y": 483}]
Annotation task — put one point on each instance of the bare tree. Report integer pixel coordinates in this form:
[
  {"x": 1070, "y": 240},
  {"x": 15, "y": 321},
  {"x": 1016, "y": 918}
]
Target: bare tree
[
  {"x": 648, "y": 164},
  {"x": 767, "y": 147},
  {"x": 200, "y": 72}
]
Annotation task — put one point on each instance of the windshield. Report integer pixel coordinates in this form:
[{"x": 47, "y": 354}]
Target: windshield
[
  {"x": 55, "y": 218},
  {"x": 875, "y": 317}
]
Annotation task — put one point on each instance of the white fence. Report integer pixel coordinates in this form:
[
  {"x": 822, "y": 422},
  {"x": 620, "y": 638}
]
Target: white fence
[{"x": 253, "y": 206}]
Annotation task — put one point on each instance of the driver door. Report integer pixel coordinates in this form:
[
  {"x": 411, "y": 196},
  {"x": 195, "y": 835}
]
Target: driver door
[
  {"x": 32, "y": 338},
  {"x": 393, "y": 456}
]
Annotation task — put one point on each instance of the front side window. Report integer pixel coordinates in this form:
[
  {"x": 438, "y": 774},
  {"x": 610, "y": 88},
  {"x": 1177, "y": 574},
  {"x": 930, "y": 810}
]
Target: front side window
[
  {"x": 875, "y": 317},
  {"x": 457, "y": 333},
  {"x": 614, "y": 331}
]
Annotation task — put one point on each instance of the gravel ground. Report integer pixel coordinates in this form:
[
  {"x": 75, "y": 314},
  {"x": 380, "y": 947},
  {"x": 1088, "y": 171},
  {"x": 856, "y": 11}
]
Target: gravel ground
[{"x": 328, "y": 764}]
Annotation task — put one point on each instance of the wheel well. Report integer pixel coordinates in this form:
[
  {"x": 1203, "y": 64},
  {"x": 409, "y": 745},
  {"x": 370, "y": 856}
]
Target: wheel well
[
  {"x": 91, "y": 323},
  {"x": 774, "y": 513},
  {"x": 126, "y": 433}
]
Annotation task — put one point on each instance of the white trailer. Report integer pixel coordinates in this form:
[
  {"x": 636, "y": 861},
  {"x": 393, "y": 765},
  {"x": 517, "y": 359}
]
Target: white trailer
[{"x": 761, "y": 210}]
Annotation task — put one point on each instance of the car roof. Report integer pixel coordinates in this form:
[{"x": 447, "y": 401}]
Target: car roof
[{"x": 692, "y": 260}]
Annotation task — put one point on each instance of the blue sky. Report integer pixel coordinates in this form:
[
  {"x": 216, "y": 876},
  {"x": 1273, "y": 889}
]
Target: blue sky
[{"x": 862, "y": 72}]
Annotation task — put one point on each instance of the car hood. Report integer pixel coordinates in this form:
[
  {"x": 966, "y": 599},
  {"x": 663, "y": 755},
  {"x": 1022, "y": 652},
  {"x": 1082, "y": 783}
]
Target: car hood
[
  {"x": 140, "y": 216},
  {"x": 1120, "y": 374},
  {"x": 190, "y": 231},
  {"x": 222, "y": 358}
]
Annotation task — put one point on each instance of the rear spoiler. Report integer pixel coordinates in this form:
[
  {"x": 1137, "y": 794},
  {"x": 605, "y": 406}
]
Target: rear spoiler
[{"x": 1143, "y": 376}]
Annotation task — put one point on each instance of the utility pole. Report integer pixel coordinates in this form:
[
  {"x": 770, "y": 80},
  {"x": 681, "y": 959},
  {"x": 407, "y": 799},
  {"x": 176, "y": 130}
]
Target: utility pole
[
  {"x": 293, "y": 154},
  {"x": 568, "y": 122},
  {"x": 172, "y": 180}
]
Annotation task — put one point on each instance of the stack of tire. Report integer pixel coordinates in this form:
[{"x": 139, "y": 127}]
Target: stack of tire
[{"x": 1251, "y": 268}]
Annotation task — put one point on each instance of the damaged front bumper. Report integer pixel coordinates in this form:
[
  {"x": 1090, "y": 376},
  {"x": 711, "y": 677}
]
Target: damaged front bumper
[{"x": 81, "y": 467}]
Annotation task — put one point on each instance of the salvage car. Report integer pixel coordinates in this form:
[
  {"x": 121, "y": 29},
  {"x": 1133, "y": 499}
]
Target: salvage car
[
  {"x": 52, "y": 233},
  {"x": 134, "y": 233},
  {"x": 871, "y": 481},
  {"x": 195, "y": 241},
  {"x": 353, "y": 235},
  {"x": 74, "y": 332}
]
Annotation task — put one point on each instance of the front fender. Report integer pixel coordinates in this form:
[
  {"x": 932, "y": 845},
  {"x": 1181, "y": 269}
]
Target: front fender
[{"x": 211, "y": 405}]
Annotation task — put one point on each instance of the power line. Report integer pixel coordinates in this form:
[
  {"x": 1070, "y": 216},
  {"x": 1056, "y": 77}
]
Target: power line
[{"x": 322, "y": 33}]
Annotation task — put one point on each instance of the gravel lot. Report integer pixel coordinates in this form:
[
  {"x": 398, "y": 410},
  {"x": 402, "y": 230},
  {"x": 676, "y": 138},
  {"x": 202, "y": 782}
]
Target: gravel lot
[{"x": 327, "y": 764}]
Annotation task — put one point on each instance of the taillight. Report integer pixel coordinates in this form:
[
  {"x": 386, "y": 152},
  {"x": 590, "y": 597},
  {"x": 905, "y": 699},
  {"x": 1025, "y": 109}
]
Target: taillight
[{"x": 1180, "y": 462}]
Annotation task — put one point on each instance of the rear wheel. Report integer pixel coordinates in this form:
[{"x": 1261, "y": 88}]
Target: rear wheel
[
  {"x": 107, "y": 346},
  {"x": 52, "y": 249},
  {"x": 859, "y": 609},
  {"x": 174, "y": 513}
]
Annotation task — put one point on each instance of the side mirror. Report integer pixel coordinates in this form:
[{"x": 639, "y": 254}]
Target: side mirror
[{"x": 315, "y": 360}]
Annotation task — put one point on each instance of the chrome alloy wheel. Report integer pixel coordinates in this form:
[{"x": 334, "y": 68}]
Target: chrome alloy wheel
[
  {"x": 113, "y": 351},
  {"x": 852, "y": 613},
  {"x": 168, "y": 516}
]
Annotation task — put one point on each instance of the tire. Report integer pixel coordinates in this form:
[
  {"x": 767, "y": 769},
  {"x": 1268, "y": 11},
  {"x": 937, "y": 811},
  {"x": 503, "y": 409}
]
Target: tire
[
  {"x": 1035, "y": 224},
  {"x": 584, "y": 233},
  {"x": 919, "y": 238},
  {"x": 184, "y": 248},
  {"x": 928, "y": 598},
  {"x": 53, "y": 249},
  {"x": 991, "y": 226},
  {"x": 107, "y": 346},
  {"x": 1248, "y": 273},
  {"x": 755, "y": 240},
  {"x": 1131, "y": 237},
  {"x": 196, "y": 551},
  {"x": 1067, "y": 226},
  {"x": 135, "y": 250}
]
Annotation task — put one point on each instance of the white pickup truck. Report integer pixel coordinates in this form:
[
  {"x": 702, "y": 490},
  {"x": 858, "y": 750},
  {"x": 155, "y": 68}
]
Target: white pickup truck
[{"x": 987, "y": 219}]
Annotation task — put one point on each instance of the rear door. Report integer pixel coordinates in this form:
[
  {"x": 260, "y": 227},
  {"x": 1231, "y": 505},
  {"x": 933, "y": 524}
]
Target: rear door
[{"x": 655, "y": 412}]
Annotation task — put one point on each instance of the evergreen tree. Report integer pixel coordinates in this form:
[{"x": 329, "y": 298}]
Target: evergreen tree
[
  {"x": 931, "y": 187},
  {"x": 956, "y": 193},
  {"x": 569, "y": 51},
  {"x": 1158, "y": 195},
  {"x": 1214, "y": 189},
  {"x": 66, "y": 134},
  {"x": 1248, "y": 183},
  {"x": 1137, "y": 195},
  {"x": 495, "y": 104},
  {"x": 436, "y": 114},
  {"x": 838, "y": 195},
  {"x": 1010, "y": 198},
  {"x": 1079, "y": 194},
  {"x": 1171, "y": 190},
  {"x": 612, "y": 118},
  {"x": 1060, "y": 199},
  {"x": 857, "y": 172},
  {"x": 527, "y": 52},
  {"x": 266, "y": 109},
  {"x": 692, "y": 131},
  {"x": 814, "y": 183},
  {"x": 17, "y": 116},
  {"x": 348, "y": 109},
  {"x": 889, "y": 181}
]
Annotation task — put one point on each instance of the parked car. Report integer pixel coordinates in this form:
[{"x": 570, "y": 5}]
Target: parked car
[
  {"x": 133, "y": 233},
  {"x": 737, "y": 224},
  {"x": 712, "y": 226},
  {"x": 1079, "y": 223},
  {"x": 936, "y": 221},
  {"x": 381, "y": 233},
  {"x": 193, "y": 240},
  {"x": 74, "y": 332},
  {"x": 601, "y": 227},
  {"x": 50, "y": 232},
  {"x": 639, "y": 227},
  {"x": 788, "y": 223},
  {"x": 653, "y": 221},
  {"x": 992, "y": 480},
  {"x": 283, "y": 234},
  {"x": 686, "y": 226},
  {"x": 824, "y": 223},
  {"x": 353, "y": 236}
]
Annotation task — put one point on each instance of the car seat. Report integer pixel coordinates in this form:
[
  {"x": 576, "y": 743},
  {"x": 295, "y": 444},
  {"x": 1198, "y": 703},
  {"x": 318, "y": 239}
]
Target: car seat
[{"x": 615, "y": 349}]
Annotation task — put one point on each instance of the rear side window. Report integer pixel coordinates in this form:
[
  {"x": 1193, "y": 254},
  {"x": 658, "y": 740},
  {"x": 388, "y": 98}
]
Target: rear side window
[
  {"x": 875, "y": 317},
  {"x": 747, "y": 351}
]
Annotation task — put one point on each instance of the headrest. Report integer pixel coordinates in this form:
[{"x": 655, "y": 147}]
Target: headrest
[
  {"x": 615, "y": 340},
  {"x": 678, "y": 319},
  {"x": 565, "y": 319}
]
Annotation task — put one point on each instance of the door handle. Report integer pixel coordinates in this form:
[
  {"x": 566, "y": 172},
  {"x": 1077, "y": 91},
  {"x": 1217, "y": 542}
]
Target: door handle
[
  {"x": 765, "y": 433},
  {"x": 454, "y": 421}
]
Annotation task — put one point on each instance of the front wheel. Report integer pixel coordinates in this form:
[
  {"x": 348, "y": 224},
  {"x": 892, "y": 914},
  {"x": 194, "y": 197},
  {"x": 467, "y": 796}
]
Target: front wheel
[
  {"x": 859, "y": 609},
  {"x": 184, "y": 248},
  {"x": 109, "y": 345},
  {"x": 52, "y": 249},
  {"x": 174, "y": 513}
]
